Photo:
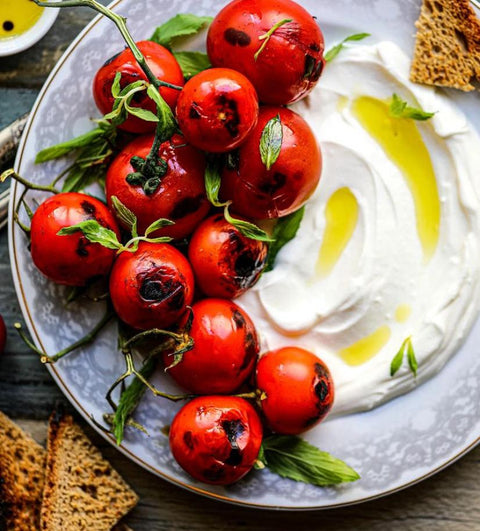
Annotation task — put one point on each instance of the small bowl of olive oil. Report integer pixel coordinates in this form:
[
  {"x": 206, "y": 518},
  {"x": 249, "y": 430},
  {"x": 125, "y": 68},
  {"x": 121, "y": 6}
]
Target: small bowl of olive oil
[{"x": 22, "y": 24}]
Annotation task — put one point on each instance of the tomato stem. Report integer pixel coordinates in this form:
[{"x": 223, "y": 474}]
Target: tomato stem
[
  {"x": 85, "y": 340},
  {"x": 11, "y": 173}
]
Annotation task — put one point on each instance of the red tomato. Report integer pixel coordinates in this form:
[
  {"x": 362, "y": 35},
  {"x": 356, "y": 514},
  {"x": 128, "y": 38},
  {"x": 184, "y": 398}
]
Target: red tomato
[
  {"x": 288, "y": 67},
  {"x": 71, "y": 259},
  {"x": 216, "y": 439},
  {"x": 225, "y": 262},
  {"x": 180, "y": 195},
  {"x": 151, "y": 287},
  {"x": 163, "y": 65},
  {"x": 217, "y": 109},
  {"x": 298, "y": 387},
  {"x": 3, "y": 335},
  {"x": 225, "y": 349},
  {"x": 259, "y": 193}
]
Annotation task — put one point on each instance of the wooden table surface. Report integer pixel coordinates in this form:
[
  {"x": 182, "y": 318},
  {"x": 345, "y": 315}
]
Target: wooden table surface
[{"x": 448, "y": 501}]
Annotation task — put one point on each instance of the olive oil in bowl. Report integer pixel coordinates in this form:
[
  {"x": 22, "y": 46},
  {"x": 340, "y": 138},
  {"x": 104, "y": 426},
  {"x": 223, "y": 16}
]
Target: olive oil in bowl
[{"x": 17, "y": 17}]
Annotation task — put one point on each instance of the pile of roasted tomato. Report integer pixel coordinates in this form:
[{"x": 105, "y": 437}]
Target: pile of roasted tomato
[{"x": 196, "y": 250}]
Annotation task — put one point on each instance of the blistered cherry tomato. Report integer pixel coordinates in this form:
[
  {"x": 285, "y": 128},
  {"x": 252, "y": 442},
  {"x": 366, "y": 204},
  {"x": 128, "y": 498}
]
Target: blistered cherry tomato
[
  {"x": 292, "y": 60},
  {"x": 180, "y": 194},
  {"x": 163, "y": 65},
  {"x": 298, "y": 389},
  {"x": 225, "y": 262},
  {"x": 3, "y": 335},
  {"x": 260, "y": 193},
  {"x": 225, "y": 349},
  {"x": 72, "y": 259},
  {"x": 216, "y": 439},
  {"x": 151, "y": 287},
  {"x": 217, "y": 109}
]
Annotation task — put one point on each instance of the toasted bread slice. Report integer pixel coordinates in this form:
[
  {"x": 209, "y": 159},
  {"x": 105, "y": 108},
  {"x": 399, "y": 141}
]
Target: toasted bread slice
[
  {"x": 22, "y": 470},
  {"x": 447, "y": 48},
  {"x": 82, "y": 491}
]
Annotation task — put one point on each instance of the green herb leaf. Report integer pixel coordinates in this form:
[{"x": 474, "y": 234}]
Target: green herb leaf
[
  {"x": 335, "y": 50},
  {"x": 412, "y": 360},
  {"x": 116, "y": 88},
  {"x": 125, "y": 215},
  {"x": 164, "y": 113},
  {"x": 398, "y": 359},
  {"x": 143, "y": 114},
  {"x": 293, "y": 458},
  {"x": 271, "y": 141},
  {"x": 213, "y": 180},
  {"x": 285, "y": 230},
  {"x": 192, "y": 63},
  {"x": 181, "y": 25},
  {"x": 94, "y": 232},
  {"x": 158, "y": 224},
  {"x": 250, "y": 230},
  {"x": 64, "y": 148},
  {"x": 266, "y": 36},
  {"x": 130, "y": 399},
  {"x": 400, "y": 109}
]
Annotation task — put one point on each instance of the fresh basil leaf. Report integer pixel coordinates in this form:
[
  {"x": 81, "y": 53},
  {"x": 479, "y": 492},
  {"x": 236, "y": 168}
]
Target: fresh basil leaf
[
  {"x": 125, "y": 215},
  {"x": 271, "y": 141},
  {"x": 412, "y": 360},
  {"x": 158, "y": 224},
  {"x": 164, "y": 113},
  {"x": 116, "y": 88},
  {"x": 335, "y": 50},
  {"x": 192, "y": 63},
  {"x": 94, "y": 232},
  {"x": 79, "y": 177},
  {"x": 213, "y": 180},
  {"x": 293, "y": 458},
  {"x": 181, "y": 25},
  {"x": 143, "y": 114},
  {"x": 285, "y": 230},
  {"x": 398, "y": 359},
  {"x": 62, "y": 149},
  {"x": 250, "y": 230},
  {"x": 129, "y": 400},
  {"x": 400, "y": 109},
  {"x": 266, "y": 36}
]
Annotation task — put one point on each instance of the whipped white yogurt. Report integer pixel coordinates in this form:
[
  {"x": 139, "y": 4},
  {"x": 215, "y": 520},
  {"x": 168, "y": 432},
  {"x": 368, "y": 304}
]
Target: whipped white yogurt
[{"x": 407, "y": 262}]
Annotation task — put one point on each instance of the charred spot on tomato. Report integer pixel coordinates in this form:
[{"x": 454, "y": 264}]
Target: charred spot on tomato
[
  {"x": 218, "y": 218},
  {"x": 160, "y": 287},
  {"x": 108, "y": 61},
  {"x": 272, "y": 185},
  {"x": 238, "y": 318},
  {"x": 88, "y": 208},
  {"x": 314, "y": 47},
  {"x": 235, "y": 457},
  {"x": 188, "y": 440},
  {"x": 186, "y": 206},
  {"x": 194, "y": 114},
  {"x": 233, "y": 429},
  {"x": 251, "y": 345},
  {"x": 309, "y": 66},
  {"x": 228, "y": 110},
  {"x": 320, "y": 371},
  {"x": 321, "y": 390},
  {"x": 311, "y": 421},
  {"x": 81, "y": 249},
  {"x": 214, "y": 473},
  {"x": 232, "y": 160},
  {"x": 318, "y": 71},
  {"x": 237, "y": 37},
  {"x": 246, "y": 267}
]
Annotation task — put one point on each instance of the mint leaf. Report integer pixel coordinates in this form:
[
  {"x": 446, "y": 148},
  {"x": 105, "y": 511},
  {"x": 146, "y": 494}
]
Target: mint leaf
[
  {"x": 158, "y": 224},
  {"x": 125, "y": 215},
  {"x": 250, "y": 230},
  {"x": 129, "y": 400},
  {"x": 293, "y": 458},
  {"x": 213, "y": 180},
  {"x": 400, "y": 109},
  {"x": 266, "y": 36},
  {"x": 335, "y": 50},
  {"x": 116, "y": 88},
  {"x": 143, "y": 114},
  {"x": 94, "y": 232},
  {"x": 285, "y": 230},
  {"x": 271, "y": 141},
  {"x": 181, "y": 25},
  {"x": 398, "y": 359},
  {"x": 64, "y": 148},
  {"x": 164, "y": 113},
  {"x": 412, "y": 360},
  {"x": 192, "y": 63}
]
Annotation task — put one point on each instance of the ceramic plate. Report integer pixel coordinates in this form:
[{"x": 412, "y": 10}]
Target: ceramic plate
[{"x": 392, "y": 446}]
